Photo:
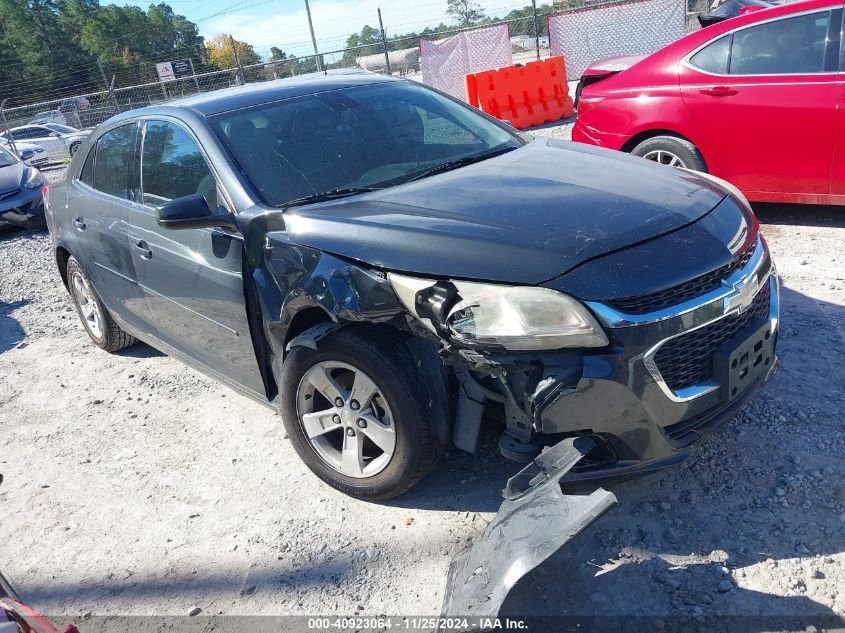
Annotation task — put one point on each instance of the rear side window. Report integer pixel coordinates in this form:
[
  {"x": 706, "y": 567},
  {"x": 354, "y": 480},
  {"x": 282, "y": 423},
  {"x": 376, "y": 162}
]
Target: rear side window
[
  {"x": 111, "y": 167},
  {"x": 713, "y": 58},
  {"x": 792, "y": 46},
  {"x": 173, "y": 166}
]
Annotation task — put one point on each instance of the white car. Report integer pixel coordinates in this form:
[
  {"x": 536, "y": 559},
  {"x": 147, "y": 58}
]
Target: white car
[
  {"x": 51, "y": 116},
  {"x": 58, "y": 141}
]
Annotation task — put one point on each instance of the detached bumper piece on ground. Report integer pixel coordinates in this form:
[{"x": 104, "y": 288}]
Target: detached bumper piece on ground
[{"x": 534, "y": 521}]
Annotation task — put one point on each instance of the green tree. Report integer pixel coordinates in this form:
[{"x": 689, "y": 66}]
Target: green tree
[{"x": 466, "y": 12}]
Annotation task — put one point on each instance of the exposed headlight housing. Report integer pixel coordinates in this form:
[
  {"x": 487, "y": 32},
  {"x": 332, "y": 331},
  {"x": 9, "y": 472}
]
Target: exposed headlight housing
[
  {"x": 34, "y": 179},
  {"x": 517, "y": 318}
]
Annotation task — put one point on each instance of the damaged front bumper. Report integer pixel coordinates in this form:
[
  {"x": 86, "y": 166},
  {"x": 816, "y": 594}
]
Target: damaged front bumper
[
  {"x": 665, "y": 381},
  {"x": 534, "y": 521}
]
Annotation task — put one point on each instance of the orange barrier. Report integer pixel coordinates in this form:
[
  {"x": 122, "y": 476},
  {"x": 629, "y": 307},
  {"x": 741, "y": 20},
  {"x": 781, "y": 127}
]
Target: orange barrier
[{"x": 523, "y": 95}]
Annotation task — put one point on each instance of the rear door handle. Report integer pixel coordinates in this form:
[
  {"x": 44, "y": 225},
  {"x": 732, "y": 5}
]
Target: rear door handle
[
  {"x": 719, "y": 91},
  {"x": 79, "y": 223},
  {"x": 142, "y": 247}
]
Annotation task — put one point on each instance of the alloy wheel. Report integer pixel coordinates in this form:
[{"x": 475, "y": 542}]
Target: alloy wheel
[
  {"x": 91, "y": 315},
  {"x": 664, "y": 158},
  {"x": 346, "y": 419}
]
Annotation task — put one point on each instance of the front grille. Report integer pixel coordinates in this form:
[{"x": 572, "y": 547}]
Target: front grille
[
  {"x": 9, "y": 194},
  {"x": 687, "y": 360},
  {"x": 683, "y": 292}
]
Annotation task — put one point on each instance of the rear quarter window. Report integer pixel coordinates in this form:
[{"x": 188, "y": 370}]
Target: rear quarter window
[{"x": 713, "y": 58}]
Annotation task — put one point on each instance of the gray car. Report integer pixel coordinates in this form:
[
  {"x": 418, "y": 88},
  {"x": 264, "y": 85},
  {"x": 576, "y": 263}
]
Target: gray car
[
  {"x": 385, "y": 266},
  {"x": 21, "y": 197}
]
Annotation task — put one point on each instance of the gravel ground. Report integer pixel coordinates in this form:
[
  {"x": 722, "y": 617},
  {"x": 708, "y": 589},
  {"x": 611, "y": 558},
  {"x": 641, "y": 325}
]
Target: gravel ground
[{"x": 134, "y": 485}]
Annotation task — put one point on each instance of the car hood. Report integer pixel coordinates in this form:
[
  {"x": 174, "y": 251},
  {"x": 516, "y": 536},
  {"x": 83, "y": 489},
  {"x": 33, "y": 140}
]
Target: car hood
[
  {"x": 524, "y": 217},
  {"x": 10, "y": 177}
]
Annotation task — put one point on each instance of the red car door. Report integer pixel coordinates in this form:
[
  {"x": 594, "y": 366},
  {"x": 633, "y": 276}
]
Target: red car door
[{"x": 763, "y": 99}]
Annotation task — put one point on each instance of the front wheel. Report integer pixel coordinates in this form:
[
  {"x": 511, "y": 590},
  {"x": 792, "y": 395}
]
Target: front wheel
[
  {"x": 672, "y": 151},
  {"x": 357, "y": 415},
  {"x": 74, "y": 147}
]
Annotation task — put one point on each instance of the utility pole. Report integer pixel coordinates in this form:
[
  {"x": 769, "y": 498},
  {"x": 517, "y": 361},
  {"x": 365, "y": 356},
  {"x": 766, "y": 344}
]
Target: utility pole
[
  {"x": 536, "y": 28},
  {"x": 313, "y": 39},
  {"x": 384, "y": 42},
  {"x": 103, "y": 73},
  {"x": 240, "y": 70}
]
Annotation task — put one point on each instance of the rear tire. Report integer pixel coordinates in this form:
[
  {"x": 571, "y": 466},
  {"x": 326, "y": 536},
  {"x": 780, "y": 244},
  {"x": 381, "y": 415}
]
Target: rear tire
[
  {"x": 672, "y": 151},
  {"x": 98, "y": 323},
  {"x": 396, "y": 416}
]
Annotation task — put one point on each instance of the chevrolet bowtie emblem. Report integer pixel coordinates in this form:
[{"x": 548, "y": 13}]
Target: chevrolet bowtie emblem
[{"x": 741, "y": 295}]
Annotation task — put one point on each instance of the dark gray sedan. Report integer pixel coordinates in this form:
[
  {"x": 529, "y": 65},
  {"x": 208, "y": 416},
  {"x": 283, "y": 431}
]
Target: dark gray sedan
[
  {"x": 21, "y": 197},
  {"x": 385, "y": 265}
]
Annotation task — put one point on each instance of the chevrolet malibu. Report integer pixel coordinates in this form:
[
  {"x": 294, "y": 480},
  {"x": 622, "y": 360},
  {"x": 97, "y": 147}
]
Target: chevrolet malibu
[{"x": 388, "y": 267}]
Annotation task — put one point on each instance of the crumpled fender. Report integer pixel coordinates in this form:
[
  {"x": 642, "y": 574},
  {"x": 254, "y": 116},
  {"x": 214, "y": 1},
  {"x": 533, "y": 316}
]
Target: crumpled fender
[{"x": 534, "y": 521}]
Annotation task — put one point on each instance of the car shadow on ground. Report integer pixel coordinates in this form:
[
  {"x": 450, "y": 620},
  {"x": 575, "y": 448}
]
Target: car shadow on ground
[
  {"x": 800, "y": 214},
  {"x": 140, "y": 350},
  {"x": 11, "y": 332}
]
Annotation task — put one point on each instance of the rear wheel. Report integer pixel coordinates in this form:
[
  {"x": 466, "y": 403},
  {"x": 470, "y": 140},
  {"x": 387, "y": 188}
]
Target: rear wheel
[
  {"x": 672, "y": 151},
  {"x": 96, "y": 320},
  {"x": 357, "y": 415}
]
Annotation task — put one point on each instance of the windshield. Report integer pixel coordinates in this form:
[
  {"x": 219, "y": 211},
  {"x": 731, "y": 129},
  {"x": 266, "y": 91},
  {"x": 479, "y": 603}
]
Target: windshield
[
  {"x": 356, "y": 138},
  {"x": 61, "y": 129},
  {"x": 6, "y": 157}
]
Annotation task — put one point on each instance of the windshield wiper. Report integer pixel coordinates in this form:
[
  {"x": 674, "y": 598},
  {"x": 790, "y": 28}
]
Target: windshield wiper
[
  {"x": 460, "y": 162},
  {"x": 328, "y": 195}
]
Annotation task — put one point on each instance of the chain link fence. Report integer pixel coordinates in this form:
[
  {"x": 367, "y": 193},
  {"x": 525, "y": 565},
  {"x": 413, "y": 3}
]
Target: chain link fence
[{"x": 28, "y": 124}]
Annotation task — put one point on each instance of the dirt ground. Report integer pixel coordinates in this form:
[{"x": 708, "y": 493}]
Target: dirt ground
[{"x": 136, "y": 486}]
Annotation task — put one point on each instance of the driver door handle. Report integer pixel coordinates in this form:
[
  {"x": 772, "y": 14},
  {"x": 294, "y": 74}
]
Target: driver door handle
[
  {"x": 144, "y": 249},
  {"x": 79, "y": 223},
  {"x": 719, "y": 91}
]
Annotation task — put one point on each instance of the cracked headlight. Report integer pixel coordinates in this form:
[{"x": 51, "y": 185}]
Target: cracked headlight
[
  {"x": 34, "y": 179},
  {"x": 513, "y": 317}
]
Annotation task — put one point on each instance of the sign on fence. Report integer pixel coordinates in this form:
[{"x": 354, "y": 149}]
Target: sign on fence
[
  {"x": 639, "y": 27},
  {"x": 178, "y": 69},
  {"x": 445, "y": 63}
]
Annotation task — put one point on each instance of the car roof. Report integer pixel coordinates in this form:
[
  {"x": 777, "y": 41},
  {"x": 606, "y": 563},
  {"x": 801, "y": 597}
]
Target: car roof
[{"x": 217, "y": 101}]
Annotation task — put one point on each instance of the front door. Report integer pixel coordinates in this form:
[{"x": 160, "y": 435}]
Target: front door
[
  {"x": 192, "y": 277},
  {"x": 763, "y": 99}
]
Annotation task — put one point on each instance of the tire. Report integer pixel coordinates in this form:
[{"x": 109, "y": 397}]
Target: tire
[
  {"x": 679, "y": 152},
  {"x": 74, "y": 147},
  {"x": 349, "y": 355},
  {"x": 98, "y": 323}
]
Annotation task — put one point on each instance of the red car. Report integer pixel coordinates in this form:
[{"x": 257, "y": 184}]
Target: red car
[{"x": 752, "y": 100}]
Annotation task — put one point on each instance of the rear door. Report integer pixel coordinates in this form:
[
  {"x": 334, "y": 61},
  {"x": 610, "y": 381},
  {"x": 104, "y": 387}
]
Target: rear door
[
  {"x": 763, "y": 98},
  {"x": 99, "y": 209},
  {"x": 192, "y": 278}
]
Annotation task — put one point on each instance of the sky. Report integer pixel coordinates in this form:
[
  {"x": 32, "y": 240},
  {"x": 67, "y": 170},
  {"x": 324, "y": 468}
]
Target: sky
[{"x": 283, "y": 23}]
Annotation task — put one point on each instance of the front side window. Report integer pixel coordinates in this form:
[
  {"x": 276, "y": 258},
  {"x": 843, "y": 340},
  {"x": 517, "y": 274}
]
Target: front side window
[
  {"x": 793, "y": 45},
  {"x": 362, "y": 137},
  {"x": 111, "y": 167},
  {"x": 173, "y": 166}
]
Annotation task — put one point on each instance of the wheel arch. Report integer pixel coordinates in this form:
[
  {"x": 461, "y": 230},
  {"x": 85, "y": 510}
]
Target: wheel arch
[
  {"x": 644, "y": 135},
  {"x": 62, "y": 257}
]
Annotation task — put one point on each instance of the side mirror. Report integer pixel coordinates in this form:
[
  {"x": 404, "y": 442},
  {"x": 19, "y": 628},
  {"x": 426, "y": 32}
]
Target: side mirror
[
  {"x": 54, "y": 135},
  {"x": 193, "y": 212},
  {"x": 26, "y": 154}
]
